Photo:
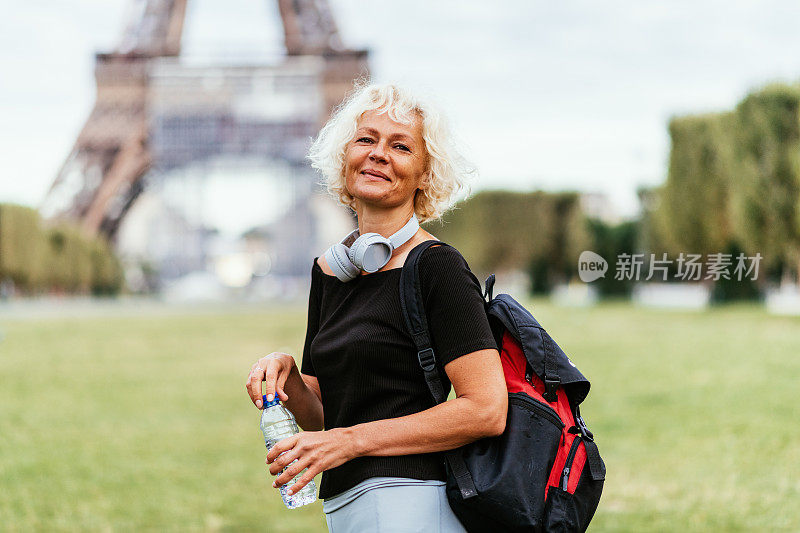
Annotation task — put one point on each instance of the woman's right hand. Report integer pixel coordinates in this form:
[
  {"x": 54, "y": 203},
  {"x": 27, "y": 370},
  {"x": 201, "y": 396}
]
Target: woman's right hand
[{"x": 273, "y": 369}]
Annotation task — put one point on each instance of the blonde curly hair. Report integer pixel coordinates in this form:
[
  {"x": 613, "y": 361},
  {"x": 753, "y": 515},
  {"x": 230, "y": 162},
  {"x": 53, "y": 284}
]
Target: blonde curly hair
[{"x": 447, "y": 169}]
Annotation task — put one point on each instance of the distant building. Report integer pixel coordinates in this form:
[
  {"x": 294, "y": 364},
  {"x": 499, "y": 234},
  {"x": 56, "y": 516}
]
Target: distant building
[
  {"x": 598, "y": 205},
  {"x": 181, "y": 164}
]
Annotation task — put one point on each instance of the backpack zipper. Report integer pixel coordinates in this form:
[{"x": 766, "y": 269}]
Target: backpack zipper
[
  {"x": 568, "y": 463},
  {"x": 523, "y": 400}
]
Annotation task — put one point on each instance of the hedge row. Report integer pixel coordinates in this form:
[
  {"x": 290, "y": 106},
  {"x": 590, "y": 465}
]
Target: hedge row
[
  {"x": 539, "y": 233},
  {"x": 60, "y": 258},
  {"x": 734, "y": 181}
]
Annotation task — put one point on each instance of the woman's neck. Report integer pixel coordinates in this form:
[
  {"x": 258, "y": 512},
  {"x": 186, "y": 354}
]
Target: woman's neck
[{"x": 386, "y": 222}]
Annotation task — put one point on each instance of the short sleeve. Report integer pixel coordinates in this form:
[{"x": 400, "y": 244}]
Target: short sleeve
[
  {"x": 454, "y": 305},
  {"x": 312, "y": 327}
]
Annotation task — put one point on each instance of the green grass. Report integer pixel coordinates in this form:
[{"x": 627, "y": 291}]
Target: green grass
[{"x": 141, "y": 422}]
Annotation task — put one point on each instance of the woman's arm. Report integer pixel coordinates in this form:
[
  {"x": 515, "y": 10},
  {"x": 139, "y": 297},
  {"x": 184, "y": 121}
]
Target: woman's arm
[
  {"x": 303, "y": 399},
  {"x": 300, "y": 393},
  {"x": 479, "y": 410}
]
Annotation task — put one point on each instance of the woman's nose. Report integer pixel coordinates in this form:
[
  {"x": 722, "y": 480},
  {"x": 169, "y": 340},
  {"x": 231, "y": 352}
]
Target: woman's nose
[{"x": 378, "y": 153}]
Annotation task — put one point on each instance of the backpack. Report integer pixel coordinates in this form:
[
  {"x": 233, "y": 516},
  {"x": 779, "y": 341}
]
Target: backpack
[{"x": 544, "y": 473}]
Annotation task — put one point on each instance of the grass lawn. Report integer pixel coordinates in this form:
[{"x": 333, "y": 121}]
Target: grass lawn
[{"x": 141, "y": 422}]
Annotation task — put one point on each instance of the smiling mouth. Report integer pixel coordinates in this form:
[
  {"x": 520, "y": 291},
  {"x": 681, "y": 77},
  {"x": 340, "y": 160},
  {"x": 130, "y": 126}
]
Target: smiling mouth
[{"x": 375, "y": 174}]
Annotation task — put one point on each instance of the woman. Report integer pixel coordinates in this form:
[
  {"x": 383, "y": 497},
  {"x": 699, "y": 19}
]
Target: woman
[{"x": 370, "y": 425}]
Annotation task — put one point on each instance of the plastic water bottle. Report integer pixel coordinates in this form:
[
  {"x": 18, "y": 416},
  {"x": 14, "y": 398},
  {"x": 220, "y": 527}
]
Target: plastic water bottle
[{"x": 278, "y": 423}]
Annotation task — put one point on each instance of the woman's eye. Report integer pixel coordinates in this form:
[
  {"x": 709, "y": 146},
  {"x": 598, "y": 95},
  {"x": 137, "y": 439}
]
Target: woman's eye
[
  {"x": 364, "y": 139},
  {"x": 402, "y": 147}
]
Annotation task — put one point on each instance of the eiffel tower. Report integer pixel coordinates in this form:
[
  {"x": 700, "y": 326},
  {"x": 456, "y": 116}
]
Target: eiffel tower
[{"x": 143, "y": 118}]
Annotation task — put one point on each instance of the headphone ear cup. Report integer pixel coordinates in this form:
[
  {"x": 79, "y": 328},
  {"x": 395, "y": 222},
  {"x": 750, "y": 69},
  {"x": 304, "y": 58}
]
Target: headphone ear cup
[
  {"x": 354, "y": 251},
  {"x": 370, "y": 252},
  {"x": 339, "y": 262}
]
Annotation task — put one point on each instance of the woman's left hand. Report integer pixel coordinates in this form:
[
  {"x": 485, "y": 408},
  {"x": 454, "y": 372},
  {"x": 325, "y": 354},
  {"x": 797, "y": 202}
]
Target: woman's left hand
[{"x": 315, "y": 450}]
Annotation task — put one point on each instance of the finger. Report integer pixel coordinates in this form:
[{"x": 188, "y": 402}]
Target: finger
[
  {"x": 282, "y": 461},
  {"x": 254, "y": 386},
  {"x": 279, "y": 387},
  {"x": 291, "y": 471},
  {"x": 281, "y": 446},
  {"x": 270, "y": 378},
  {"x": 302, "y": 481}
]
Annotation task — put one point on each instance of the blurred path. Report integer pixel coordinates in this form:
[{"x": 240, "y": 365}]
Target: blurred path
[{"x": 39, "y": 308}]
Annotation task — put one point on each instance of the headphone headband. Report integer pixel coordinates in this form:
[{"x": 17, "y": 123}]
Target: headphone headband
[{"x": 369, "y": 252}]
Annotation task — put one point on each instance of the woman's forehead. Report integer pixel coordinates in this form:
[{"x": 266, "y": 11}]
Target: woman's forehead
[{"x": 380, "y": 119}]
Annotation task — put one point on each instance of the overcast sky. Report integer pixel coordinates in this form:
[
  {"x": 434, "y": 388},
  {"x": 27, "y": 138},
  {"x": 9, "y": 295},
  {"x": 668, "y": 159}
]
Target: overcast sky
[{"x": 553, "y": 95}]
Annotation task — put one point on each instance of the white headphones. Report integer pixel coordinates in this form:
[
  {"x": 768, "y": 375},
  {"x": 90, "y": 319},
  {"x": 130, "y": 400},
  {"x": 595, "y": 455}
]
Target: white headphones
[{"x": 369, "y": 252}]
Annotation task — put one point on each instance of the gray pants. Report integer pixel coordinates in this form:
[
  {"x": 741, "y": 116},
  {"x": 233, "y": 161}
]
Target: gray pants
[{"x": 391, "y": 504}]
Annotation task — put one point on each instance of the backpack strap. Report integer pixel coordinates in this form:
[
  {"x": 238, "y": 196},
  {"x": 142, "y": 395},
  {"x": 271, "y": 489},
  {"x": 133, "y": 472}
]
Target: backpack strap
[
  {"x": 417, "y": 323},
  {"x": 597, "y": 468},
  {"x": 488, "y": 289},
  {"x": 551, "y": 377}
]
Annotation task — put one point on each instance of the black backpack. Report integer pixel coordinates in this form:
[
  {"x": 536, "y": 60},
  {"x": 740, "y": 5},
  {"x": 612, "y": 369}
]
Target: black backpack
[{"x": 544, "y": 473}]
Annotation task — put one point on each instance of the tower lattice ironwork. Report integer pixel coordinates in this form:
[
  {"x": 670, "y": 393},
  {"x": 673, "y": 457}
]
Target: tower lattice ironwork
[{"x": 102, "y": 176}]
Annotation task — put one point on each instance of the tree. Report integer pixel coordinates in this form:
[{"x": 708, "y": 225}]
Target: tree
[
  {"x": 766, "y": 183},
  {"x": 535, "y": 232},
  {"x": 691, "y": 212},
  {"x": 21, "y": 246}
]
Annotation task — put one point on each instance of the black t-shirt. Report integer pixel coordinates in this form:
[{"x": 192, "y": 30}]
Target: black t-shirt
[{"x": 358, "y": 348}]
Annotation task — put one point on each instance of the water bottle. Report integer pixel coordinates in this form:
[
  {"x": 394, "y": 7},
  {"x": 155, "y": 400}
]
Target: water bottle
[{"x": 278, "y": 423}]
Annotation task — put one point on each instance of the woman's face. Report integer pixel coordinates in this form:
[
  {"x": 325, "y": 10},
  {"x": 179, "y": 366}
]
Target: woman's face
[{"x": 386, "y": 161}]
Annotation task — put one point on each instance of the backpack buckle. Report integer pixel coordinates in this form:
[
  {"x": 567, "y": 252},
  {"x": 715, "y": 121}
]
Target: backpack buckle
[
  {"x": 426, "y": 359},
  {"x": 584, "y": 430},
  {"x": 550, "y": 388}
]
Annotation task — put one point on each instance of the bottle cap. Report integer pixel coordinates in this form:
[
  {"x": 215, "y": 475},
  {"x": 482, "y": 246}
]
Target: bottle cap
[{"x": 275, "y": 401}]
